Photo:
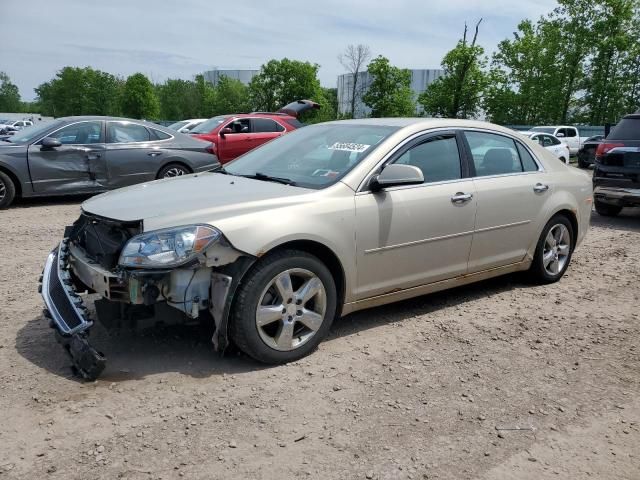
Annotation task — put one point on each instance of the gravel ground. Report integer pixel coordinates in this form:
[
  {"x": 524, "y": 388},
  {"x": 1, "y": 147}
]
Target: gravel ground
[{"x": 496, "y": 380}]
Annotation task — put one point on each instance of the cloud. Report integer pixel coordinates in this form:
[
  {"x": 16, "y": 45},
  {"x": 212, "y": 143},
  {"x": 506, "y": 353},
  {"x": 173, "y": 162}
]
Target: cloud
[{"x": 182, "y": 39}]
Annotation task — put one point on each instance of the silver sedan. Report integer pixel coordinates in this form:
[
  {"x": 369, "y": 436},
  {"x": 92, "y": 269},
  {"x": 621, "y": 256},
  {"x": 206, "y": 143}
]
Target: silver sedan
[{"x": 330, "y": 219}]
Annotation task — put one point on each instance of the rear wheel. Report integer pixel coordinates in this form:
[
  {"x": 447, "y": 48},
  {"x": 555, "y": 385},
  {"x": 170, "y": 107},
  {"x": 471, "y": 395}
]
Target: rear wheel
[
  {"x": 563, "y": 160},
  {"x": 553, "y": 252},
  {"x": 7, "y": 190},
  {"x": 607, "y": 210},
  {"x": 173, "y": 170},
  {"x": 284, "y": 307}
]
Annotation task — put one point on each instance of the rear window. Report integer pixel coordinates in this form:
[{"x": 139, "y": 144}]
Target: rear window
[{"x": 627, "y": 129}]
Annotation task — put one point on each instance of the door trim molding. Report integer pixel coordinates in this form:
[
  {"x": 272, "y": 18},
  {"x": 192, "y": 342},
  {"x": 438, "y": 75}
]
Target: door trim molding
[{"x": 418, "y": 242}]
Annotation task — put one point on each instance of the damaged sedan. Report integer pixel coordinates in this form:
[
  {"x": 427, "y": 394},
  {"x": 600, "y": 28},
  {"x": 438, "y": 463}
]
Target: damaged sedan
[
  {"x": 92, "y": 154},
  {"x": 327, "y": 220}
]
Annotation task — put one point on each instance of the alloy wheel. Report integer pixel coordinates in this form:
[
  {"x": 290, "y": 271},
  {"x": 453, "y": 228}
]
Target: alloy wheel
[
  {"x": 174, "y": 172},
  {"x": 557, "y": 246},
  {"x": 3, "y": 190},
  {"x": 291, "y": 309}
]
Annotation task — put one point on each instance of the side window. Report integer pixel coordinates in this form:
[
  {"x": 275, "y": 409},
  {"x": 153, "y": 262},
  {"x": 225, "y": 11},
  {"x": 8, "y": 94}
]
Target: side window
[
  {"x": 547, "y": 141},
  {"x": 538, "y": 139},
  {"x": 570, "y": 132},
  {"x": 528, "y": 163},
  {"x": 125, "y": 132},
  {"x": 493, "y": 154},
  {"x": 158, "y": 135},
  {"x": 262, "y": 125},
  {"x": 437, "y": 157},
  {"x": 554, "y": 141},
  {"x": 240, "y": 125},
  {"x": 82, "y": 133}
]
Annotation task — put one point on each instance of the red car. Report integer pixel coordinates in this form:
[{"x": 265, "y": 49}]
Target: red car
[{"x": 236, "y": 134}]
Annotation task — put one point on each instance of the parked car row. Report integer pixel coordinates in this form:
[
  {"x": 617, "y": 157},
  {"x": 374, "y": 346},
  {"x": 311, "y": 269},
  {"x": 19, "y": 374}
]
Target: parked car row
[
  {"x": 327, "y": 220},
  {"x": 551, "y": 143},
  {"x": 77, "y": 155},
  {"x": 9, "y": 127}
]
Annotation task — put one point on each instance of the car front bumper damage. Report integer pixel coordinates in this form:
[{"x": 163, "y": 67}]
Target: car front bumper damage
[
  {"x": 67, "y": 314},
  {"x": 185, "y": 292}
]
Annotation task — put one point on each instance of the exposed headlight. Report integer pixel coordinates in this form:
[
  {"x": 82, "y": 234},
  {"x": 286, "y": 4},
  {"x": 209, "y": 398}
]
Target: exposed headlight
[{"x": 167, "y": 248}]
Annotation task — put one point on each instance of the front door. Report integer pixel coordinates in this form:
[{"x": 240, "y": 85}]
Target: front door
[
  {"x": 511, "y": 193},
  {"x": 234, "y": 144},
  {"x": 413, "y": 235},
  {"x": 77, "y": 166}
]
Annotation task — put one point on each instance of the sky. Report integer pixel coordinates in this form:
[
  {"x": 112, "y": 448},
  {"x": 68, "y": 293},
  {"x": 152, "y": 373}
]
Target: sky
[{"x": 179, "y": 39}]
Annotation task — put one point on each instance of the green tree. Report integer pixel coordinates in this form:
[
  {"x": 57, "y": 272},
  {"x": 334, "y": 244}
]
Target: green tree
[
  {"x": 283, "y": 81},
  {"x": 9, "y": 95},
  {"x": 80, "y": 91},
  {"x": 139, "y": 98},
  {"x": 458, "y": 94},
  {"x": 232, "y": 96},
  {"x": 389, "y": 94}
]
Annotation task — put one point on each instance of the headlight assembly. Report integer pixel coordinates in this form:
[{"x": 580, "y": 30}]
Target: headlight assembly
[{"x": 167, "y": 248}]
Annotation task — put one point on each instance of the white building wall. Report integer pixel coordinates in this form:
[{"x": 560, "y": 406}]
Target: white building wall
[{"x": 420, "y": 80}]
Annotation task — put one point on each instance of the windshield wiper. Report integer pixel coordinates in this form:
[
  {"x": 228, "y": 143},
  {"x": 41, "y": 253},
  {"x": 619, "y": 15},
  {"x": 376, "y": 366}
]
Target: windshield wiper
[{"x": 269, "y": 178}]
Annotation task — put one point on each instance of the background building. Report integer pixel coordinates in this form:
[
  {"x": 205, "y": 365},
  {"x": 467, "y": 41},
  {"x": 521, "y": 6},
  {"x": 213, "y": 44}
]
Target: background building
[
  {"x": 420, "y": 79},
  {"x": 245, "y": 76}
]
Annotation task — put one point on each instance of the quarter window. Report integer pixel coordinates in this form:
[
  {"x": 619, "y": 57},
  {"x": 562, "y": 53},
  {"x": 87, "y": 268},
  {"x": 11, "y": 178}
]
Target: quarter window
[
  {"x": 124, "y": 132},
  {"x": 82, "y": 133},
  {"x": 438, "y": 158},
  {"x": 158, "y": 135},
  {"x": 528, "y": 163},
  {"x": 493, "y": 154}
]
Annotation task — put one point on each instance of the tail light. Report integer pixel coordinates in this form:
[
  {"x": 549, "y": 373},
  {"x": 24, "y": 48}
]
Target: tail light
[{"x": 604, "y": 147}]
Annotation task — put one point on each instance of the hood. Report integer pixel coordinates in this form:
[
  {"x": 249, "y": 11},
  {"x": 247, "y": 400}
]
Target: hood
[{"x": 199, "y": 198}]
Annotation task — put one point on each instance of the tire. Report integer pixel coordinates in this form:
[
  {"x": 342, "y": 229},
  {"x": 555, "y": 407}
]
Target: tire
[
  {"x": 542, "y": 270},
  {"x": 582, "y": 163},
  {"x": 564, "y": 160},
  {"x": 607, "y": 210},
  {"x": 173, "y": 170},
  {"x": 269, "y": 342},
  {"x": 7, "y": 190}
]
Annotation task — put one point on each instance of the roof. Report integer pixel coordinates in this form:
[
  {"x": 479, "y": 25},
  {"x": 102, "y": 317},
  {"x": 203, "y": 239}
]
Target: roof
[{"x": 422, "y": 123}]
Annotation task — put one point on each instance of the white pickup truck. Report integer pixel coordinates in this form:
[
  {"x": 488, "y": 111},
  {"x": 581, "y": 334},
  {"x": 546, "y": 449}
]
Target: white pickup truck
[{"x": 568, "y": 135}]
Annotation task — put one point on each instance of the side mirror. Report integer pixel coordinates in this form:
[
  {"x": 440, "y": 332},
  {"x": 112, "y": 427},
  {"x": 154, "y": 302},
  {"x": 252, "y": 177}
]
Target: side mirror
[
  {"x": 396, "y": 174},
  {"x": 49, "y": 143},
  {"x": 560, "y": 135},
  {"x": 225, "y": 131}
]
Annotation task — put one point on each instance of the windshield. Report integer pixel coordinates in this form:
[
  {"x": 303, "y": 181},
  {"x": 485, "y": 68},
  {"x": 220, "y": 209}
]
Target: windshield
[
  {"x": 316, "y": 156},
  {"x": 28, "y": 134},
  {"x": 178, "y": 125},
  {"x": 544, "y": 129},
  {"x": 209, "y": 125}
]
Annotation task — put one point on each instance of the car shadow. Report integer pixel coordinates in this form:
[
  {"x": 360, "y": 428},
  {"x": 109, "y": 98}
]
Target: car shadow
[
  {"x": 627, "y": 220},
  {"x": 188, "y": 350},
  {"x": 31, "y": 202}
]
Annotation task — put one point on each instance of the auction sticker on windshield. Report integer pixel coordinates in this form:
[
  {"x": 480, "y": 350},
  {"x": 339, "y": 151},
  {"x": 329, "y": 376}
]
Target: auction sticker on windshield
[{"x": 349, "y": 147}]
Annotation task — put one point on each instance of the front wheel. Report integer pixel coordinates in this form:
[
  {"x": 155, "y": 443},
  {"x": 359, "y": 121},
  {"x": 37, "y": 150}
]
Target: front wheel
[
  {"x": 553, "y": 252},
  {"x": 7, "y": 190},
  {"x": 284, "y": 307}
]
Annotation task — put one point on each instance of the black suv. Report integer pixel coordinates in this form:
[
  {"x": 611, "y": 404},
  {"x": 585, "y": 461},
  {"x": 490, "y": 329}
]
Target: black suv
[{"x": 616, "y": 177}]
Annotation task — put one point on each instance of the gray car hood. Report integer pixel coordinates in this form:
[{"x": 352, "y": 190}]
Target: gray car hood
[{"x": 199, "y": 198}]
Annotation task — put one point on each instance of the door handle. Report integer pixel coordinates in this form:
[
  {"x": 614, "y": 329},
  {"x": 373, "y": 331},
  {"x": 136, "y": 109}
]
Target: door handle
[
  {"x": 92, "y": 155},
  {"x": 461, "y": 197},
  {"x": 154, "y": 153},
  {"x": 540, "y": 188}
]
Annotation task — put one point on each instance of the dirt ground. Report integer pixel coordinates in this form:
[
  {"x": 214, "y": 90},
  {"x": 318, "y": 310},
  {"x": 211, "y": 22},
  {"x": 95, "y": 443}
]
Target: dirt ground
[{"x": 496, "y": 380}]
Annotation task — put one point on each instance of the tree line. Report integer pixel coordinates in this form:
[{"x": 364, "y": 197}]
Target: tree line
[{"x": 579, "y": 63}]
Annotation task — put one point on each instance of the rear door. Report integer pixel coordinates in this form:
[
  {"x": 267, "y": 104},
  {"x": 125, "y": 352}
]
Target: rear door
[
  {"x": 78, "y": 165},
  {"x": 133, "y": 153},
  {"x": 264, "y": 130},
  {"x": 511, "y": 192}
]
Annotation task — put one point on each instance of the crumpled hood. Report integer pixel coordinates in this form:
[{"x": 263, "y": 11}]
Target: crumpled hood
[{"x": 199, "y": 198}]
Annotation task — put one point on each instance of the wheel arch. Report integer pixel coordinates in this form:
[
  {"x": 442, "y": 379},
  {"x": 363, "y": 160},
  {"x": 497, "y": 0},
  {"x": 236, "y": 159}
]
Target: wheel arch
[
  {"x": 573, "y": 219},
  {"x": 326, "y": 256},
  {"x": 174, "y": 161},
  {"x": 14, "y": 178}
]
